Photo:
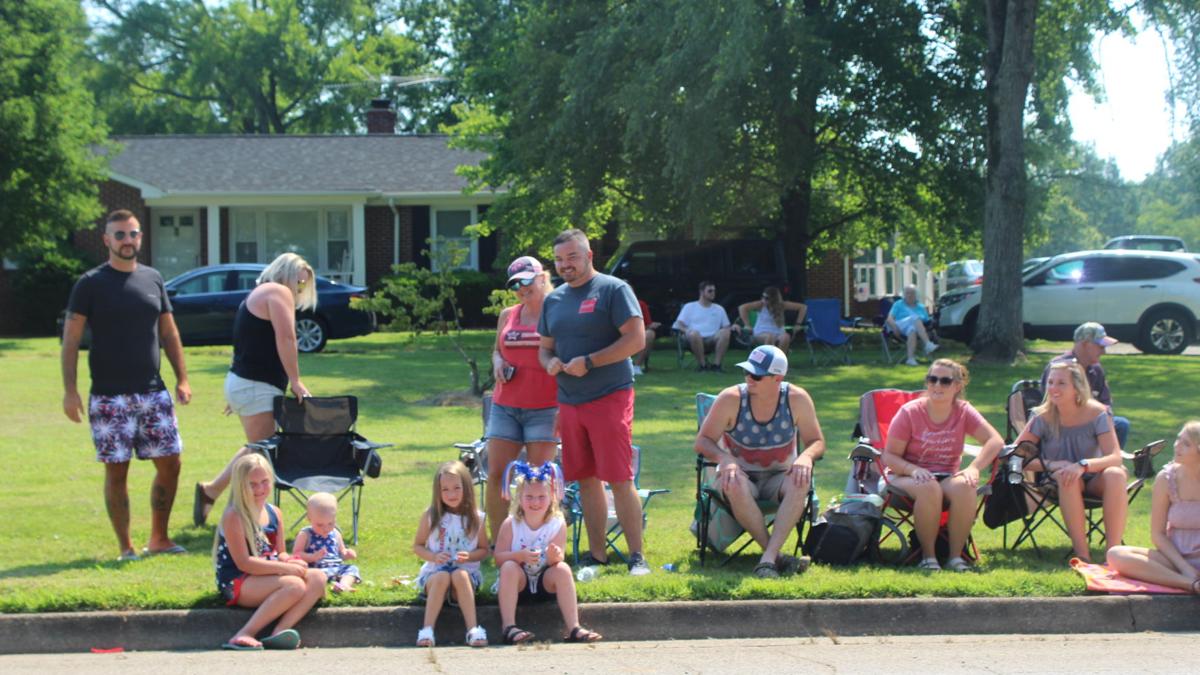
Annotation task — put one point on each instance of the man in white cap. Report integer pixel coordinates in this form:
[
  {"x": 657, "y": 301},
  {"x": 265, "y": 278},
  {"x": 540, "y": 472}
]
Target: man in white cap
[
  {"x": 751, "y": 435},
  {"x": 1091, "y": 343}
]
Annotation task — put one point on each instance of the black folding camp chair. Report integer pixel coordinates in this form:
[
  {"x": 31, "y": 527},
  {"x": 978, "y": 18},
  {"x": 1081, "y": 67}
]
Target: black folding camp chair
[
  {"x": 315, "y": 449},
  {"x": 711, "y": 504},
  {"x": 1041, "y": 494}
]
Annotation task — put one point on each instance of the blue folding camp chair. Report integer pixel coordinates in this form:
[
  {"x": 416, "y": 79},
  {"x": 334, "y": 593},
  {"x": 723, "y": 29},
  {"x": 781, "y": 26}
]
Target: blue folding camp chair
[
  {"x": 823, "y": 328},
  {"x": 713, "y": 512},
  {"x": 573, "y": 510}
]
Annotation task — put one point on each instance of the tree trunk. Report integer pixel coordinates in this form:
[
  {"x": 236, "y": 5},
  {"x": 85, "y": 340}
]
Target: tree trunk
[{"x": 1008, "y": 69}]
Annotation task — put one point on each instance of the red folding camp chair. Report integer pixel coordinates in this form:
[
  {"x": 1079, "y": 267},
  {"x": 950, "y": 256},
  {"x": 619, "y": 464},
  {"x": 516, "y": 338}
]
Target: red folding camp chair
[{"x": 876, "y": 409}]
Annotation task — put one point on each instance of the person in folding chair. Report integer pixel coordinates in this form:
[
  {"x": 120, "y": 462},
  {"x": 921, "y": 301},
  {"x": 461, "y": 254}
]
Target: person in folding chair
[
  {"x": 908, "y": 318},
  {"x": 524, "y": 404},
  {"x": 750, "y": 433},
  {"x": 769, "y": 326},
  {"x": 1080, "y": 452},
  {"x": 1174, "y": 522},
  {"x": 1091, "y": 343},
  {"x": 705, "y": 326},
  {"x": 924, "y": 452}
]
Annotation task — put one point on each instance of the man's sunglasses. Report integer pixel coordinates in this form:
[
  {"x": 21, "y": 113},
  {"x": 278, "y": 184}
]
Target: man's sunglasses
[
  {"x": 944, "y": 381},
  {"x": 119, "y": 235},
  {"x": 756, "y": 378},
  {"x": 516, "y": 284}
]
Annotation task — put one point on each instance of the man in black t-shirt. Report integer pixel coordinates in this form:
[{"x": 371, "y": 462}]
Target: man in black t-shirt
[{"x": 129, "y": 408}]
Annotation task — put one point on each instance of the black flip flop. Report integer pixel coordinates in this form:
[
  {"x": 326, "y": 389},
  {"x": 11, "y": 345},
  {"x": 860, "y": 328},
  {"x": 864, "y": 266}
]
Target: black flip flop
[{"x": 201, "y": 505}]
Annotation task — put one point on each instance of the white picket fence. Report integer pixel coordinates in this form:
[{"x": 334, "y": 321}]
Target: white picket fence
[{"x": 882, "y": 279}]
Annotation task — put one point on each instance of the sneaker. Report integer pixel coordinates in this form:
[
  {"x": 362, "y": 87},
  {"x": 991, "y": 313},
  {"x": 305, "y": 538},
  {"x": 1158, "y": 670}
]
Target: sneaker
[
  {"x": 911, "y": 362},
  {"x": 586, "y": 560},
  {"x": 637, "y": 565},
  {"x": 930, "y": 347},
  {"x": 637, "y": 370}
]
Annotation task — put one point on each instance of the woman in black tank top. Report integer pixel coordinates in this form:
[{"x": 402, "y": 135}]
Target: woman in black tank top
[{"x": 265, "y": 359}]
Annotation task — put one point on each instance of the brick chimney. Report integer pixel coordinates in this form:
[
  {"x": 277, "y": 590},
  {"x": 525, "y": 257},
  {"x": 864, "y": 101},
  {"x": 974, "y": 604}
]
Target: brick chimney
[{"x": 381, "y": 119}]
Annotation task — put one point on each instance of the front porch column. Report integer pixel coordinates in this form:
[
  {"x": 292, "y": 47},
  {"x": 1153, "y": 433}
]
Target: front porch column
[
  {"x": 358, "y": 224},
  {"x": 213, "y": 244}
]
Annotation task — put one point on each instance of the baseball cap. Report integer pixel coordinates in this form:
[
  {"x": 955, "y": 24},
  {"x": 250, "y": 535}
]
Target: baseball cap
[
  {"x": 525, "y": 267},
  {"x": 766, "y": 360},
  {"x": 1094, "y": 333}
]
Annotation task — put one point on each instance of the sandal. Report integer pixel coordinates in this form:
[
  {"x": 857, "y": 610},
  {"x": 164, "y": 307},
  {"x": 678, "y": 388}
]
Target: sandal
[
  {"x": 477, "y": 637},
  {"x": 790, "y": 564},
  {"x": 930, "y": 565},
  {"x": 581, "y": 634},
  {"x": 425, "y": 637},
  {"x": 957, "y": 564},
  {"x": 766, "y": 570},
  {"x": 201, "y": 505},
  {"x": 515, "y": 635},
  {"x": 284, "y": 639},
  {"x": 1196, "y": 587}
]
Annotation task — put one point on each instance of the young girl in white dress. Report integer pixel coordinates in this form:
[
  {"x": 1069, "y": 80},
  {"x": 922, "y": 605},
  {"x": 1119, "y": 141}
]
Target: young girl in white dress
[
  {"x": 452, "y": 541},
  {"x": 529, "y": 552}
]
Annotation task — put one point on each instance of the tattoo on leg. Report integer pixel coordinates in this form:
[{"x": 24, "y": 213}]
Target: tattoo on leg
[{"x": 160, "y": 500}]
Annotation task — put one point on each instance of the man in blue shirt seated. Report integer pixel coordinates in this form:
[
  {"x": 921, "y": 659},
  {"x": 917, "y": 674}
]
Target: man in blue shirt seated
[{"x": 908, "y": 318}]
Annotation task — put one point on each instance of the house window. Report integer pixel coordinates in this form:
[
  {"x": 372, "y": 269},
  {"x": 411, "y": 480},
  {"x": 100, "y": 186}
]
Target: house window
[
  {"x": 245, "y": 237},
  {"x": 337, "y": 243},
  {"x": 449, "y": 226},
  {"x": 322, "y": 236}
]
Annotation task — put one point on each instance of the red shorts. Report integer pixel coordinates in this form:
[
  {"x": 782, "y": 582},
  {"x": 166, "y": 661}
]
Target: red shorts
[{"x": 597, "y": 438}]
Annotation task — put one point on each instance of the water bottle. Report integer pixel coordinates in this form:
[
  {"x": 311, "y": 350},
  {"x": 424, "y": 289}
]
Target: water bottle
[
  {"x": 1015, "y": 468},
  {"x": 586, "y": 574},
  {"x": 815, "y": 513}
]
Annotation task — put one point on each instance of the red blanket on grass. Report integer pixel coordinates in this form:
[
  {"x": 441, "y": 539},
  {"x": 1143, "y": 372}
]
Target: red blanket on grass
[{"x": 1104, "y": 580}]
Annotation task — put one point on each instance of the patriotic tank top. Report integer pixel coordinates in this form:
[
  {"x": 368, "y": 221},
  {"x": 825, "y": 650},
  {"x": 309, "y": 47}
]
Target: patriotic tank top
[
  {"x": 530, "y": 386},
  {"x": 768, "y": 445}
]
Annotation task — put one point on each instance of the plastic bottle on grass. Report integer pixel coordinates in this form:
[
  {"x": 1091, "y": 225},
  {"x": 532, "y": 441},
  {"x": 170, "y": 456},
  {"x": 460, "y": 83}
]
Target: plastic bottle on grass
[{"x": 586, "y": 574}]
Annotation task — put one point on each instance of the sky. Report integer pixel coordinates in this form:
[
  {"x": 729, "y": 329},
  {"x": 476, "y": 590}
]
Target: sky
[{"x": 1133, "y": 125}]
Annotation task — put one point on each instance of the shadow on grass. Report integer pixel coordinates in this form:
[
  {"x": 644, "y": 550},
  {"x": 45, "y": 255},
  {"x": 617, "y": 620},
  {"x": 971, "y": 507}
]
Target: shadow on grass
[{"x": 196, "y": 541}]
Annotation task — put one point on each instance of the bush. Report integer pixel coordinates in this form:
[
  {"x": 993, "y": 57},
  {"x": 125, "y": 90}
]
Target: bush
[
  {"x": 41, "y": 287},
  {"x": 473, "y": 297}
]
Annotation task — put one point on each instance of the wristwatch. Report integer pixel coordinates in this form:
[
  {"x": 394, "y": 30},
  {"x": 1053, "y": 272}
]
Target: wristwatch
[
  {"x": 1084, "y": 463},
  {"x": 587, "y": 361}
]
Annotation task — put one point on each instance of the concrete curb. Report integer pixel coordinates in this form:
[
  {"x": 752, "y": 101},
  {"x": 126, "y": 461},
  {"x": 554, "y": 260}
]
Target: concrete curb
[{"x": 393, "y": 627}]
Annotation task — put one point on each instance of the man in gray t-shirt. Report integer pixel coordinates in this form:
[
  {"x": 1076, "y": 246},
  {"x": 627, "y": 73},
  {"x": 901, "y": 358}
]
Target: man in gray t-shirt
[{"x": 590, "y": 326}]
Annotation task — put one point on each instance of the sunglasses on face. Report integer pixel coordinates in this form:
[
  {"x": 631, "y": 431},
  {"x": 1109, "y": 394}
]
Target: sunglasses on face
[
  {"x": 516, "y": 284},
  {"x": 944, "y": 381},
  {"x": 119, "y": 235},
  {"x": 756, "y": 378}
]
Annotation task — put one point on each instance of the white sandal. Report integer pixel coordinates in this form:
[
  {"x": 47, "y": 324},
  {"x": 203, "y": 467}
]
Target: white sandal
[
  {"x": 957, "y": 564},
  {"x": 477, "y": 637},
  {"x": 930, "y": 564},
  {"x": 425, "y": 637}
]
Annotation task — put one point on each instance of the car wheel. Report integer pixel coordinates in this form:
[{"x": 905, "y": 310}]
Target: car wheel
[
  {"x": 1165, "y": 331},
  {"x": 311, "y": 334}
]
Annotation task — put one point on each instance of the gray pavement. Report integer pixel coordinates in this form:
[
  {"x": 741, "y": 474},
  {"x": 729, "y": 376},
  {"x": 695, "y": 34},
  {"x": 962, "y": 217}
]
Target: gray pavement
[{"x": 1096, "y": 654}]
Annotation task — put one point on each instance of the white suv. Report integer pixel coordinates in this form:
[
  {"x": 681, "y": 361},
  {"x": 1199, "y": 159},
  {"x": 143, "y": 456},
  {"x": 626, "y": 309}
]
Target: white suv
[{"x": 1148, "y": 298}]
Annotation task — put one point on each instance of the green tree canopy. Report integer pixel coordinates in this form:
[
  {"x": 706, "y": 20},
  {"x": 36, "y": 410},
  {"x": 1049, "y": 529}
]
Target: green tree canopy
[
  {"x": 824, "y": 122},
  {"x": 256, "y": 66},
  {"x": 48, "y": 124}
]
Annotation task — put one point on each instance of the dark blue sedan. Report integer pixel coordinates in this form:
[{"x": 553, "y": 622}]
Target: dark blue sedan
[{"x": 205, "y": 300}]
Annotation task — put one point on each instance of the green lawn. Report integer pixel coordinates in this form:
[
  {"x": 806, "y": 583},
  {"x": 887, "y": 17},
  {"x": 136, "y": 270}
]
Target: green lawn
[{"x": 60, "y": 549}]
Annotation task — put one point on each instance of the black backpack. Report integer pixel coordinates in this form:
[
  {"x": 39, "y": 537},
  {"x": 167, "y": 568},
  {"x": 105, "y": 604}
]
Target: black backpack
[{"x": 844, "y": 535}]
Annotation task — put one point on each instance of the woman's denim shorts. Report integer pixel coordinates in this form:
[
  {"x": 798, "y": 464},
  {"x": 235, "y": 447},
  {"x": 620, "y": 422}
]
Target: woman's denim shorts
[{"x": 522, "y": 425}]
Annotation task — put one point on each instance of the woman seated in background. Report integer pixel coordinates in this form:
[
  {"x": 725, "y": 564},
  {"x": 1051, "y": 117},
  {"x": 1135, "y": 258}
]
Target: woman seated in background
[
  {"x": 769, "y": 327},
  {"x": 924, "y": 451},
  {"x": 1079, "y": 450},
  {"x": 1174, "y": 522}
]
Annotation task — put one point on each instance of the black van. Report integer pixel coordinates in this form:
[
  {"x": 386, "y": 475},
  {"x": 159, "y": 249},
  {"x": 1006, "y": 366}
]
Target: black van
[{"x": 667, "y": 274}]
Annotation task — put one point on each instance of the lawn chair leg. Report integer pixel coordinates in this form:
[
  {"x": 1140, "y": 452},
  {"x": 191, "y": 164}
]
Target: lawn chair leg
[{"x": 355, "y": 502}]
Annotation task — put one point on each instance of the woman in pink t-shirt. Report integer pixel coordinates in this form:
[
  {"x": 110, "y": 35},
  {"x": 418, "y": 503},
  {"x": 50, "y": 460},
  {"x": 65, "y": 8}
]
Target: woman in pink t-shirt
[{"x": 923, "y": 454}]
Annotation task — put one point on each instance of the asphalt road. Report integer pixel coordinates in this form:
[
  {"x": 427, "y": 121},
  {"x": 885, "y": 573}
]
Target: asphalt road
[{"x": 1095, "y": 654}]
